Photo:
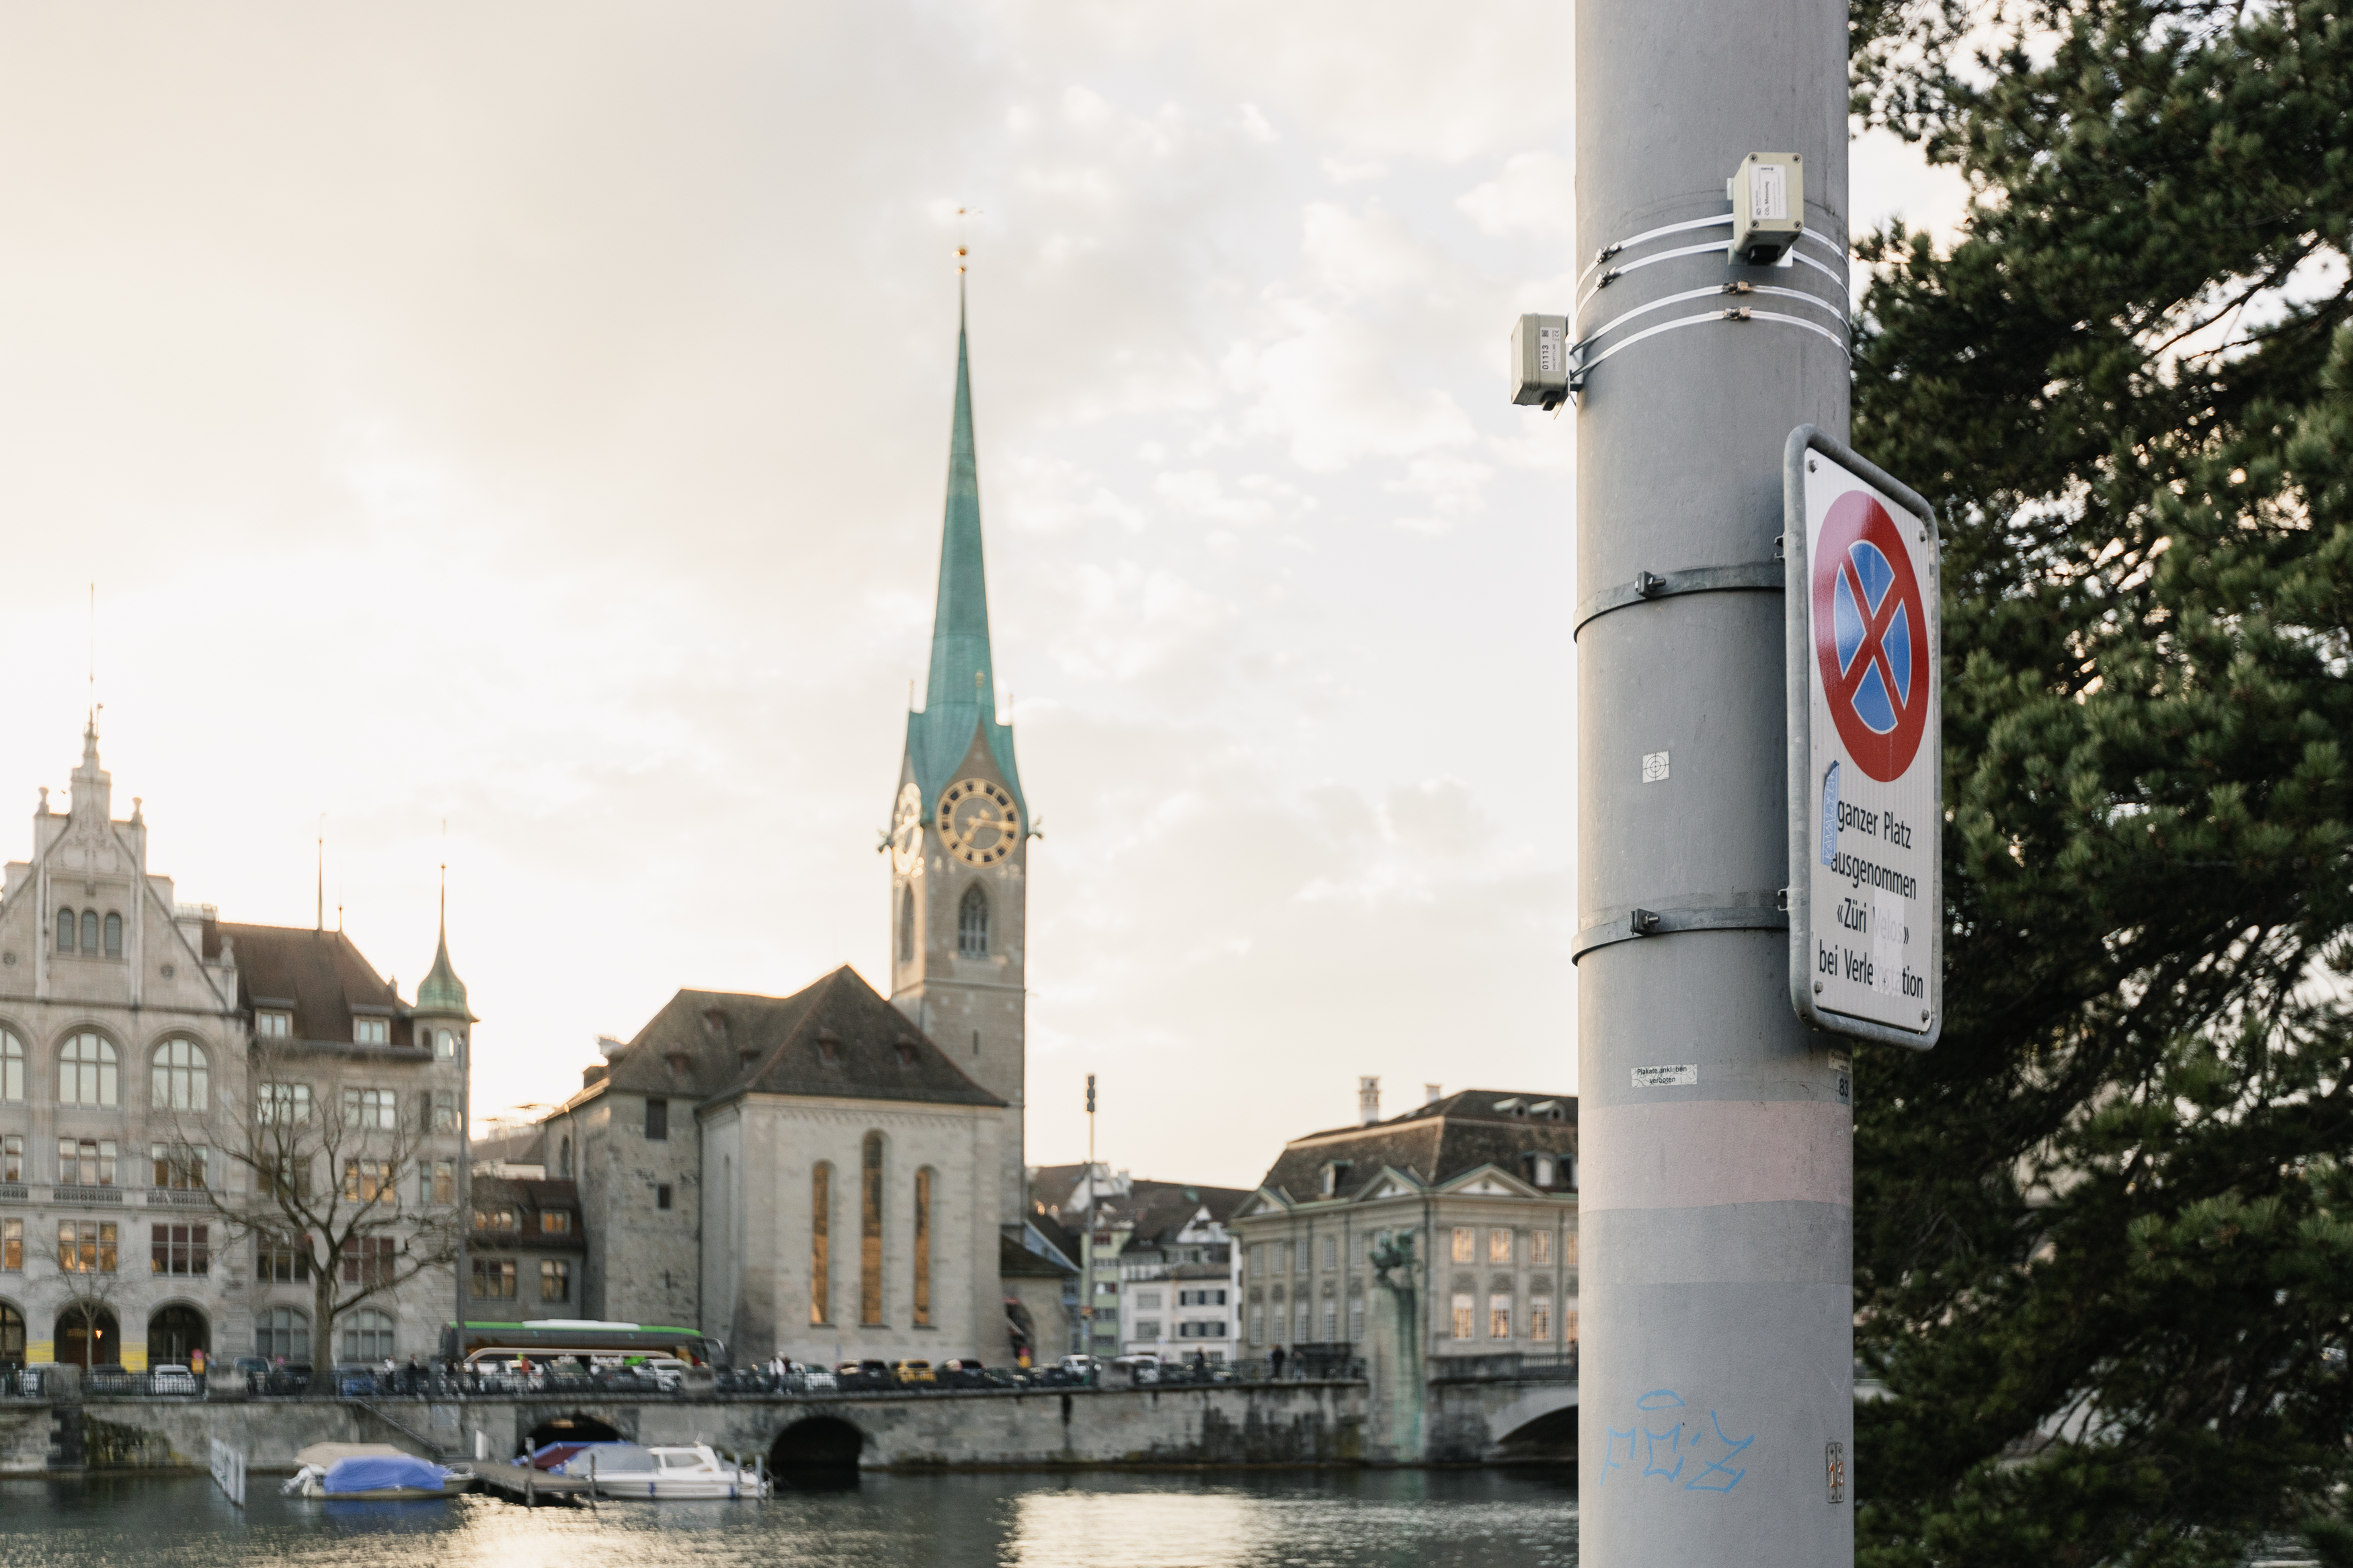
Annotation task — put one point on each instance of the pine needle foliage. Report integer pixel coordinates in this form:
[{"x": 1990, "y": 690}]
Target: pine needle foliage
[{"x": 2105, "y": 1231}]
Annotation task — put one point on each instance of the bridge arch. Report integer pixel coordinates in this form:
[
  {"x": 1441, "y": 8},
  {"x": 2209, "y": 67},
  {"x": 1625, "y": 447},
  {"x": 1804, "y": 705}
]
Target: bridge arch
[
  {"x": 816, "y": 1444},
  {"x": 1537, "y": 1428},
  {"x": 576, "y": 1427}
]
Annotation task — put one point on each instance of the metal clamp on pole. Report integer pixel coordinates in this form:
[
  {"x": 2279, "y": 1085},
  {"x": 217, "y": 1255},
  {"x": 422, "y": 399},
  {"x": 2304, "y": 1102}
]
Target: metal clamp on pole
[
  {"x": 1639, "y": 923},
  {"x": 1749, "y": 577}
]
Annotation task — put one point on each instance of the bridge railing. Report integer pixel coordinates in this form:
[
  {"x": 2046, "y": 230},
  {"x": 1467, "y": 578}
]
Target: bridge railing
[{"x": 1560, "y": 1366}]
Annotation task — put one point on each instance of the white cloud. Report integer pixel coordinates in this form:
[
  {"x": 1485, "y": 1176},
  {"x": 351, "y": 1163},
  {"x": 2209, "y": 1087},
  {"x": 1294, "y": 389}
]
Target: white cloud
[{"x": 1533, "y": 194}]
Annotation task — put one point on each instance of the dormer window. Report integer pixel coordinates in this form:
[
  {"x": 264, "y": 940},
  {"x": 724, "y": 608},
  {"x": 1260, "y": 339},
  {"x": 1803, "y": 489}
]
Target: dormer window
[
  {"x": 1550, "y": 1110},
  {"x": 906, "y": 1049},
  {"x": 1334, "y": 1172},
  {"x": 372, "y": 1031},
  {"x": 829, "y": 1046},
  {"x": 1544, "y": 1171},
  {"x": 273, "y": 1026},
  {"x": 1513, "y": 1106}
]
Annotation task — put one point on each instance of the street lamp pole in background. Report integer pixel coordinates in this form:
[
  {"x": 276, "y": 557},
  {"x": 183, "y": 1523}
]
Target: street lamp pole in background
[{"x": 1717, "y": 1207}]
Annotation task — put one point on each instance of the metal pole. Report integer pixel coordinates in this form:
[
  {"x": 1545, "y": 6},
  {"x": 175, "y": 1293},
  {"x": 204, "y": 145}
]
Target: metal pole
[
  {"x": 464, "y": 1216},
  {"x": 1716, "y": 1203}
]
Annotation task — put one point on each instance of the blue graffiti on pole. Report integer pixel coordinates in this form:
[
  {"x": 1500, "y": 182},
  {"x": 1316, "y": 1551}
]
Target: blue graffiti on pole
[{"x": 1710, "y": 1450}]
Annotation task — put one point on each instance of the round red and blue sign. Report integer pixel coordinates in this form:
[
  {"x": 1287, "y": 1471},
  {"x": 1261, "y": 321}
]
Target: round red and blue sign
[{"x": 1870, "y": 635}]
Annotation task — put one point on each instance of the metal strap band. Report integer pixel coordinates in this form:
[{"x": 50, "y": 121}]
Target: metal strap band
[
  {"x": 1607, "y": 252},
  {"x": 1714, "y": 290},
  {"x": 1615, "y": 273},
  {"x": 1579, "y": 369},
  {"x": 1641, "y": 923},
  {"x": 1750, "y": 578}
]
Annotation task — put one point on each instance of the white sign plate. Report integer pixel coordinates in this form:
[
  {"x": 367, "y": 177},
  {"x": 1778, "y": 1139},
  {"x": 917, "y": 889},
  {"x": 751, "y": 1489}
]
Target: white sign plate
[{"x": 1867, "y": 742}]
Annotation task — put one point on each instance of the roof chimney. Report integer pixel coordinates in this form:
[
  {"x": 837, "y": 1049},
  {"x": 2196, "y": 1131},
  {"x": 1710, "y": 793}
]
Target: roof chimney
[
  {"x": 1369, "y": 1100},
  {"x": 1430, "y": 1094}
]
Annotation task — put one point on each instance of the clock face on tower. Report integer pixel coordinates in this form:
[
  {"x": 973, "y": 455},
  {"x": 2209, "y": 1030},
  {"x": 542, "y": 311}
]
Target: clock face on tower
[
  {"x": 980, "y": 821},
  {"x": 907, "y": 831}
]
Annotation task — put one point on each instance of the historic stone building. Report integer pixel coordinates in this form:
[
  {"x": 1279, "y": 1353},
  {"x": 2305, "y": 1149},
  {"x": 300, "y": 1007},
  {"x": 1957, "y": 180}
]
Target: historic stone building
[
  {"x": 828, "y": 1175},
  {"x": 130, "y": 1028},
  {"x": 1450, "y": 1231}
]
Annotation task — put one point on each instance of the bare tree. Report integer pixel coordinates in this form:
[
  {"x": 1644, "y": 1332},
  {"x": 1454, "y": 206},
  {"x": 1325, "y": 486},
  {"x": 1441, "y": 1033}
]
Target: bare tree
[{"x": 348, "y": 1183}]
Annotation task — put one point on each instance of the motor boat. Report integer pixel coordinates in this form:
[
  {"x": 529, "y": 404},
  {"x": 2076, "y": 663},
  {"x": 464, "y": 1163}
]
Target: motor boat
[
  {"x": 371, "y": 1472},
  {"x": 631, "y": 1470}
]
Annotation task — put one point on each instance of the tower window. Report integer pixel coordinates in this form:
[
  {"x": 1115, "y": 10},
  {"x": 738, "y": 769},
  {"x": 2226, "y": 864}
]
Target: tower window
[
  {"x": 89, "y": 930},
  {"x": 64, "y": 930},
  {"x": 114, "y": 936},
  {"x": 656, "y": 1120},
  {"x": 906, "y": 925},
  {"x": 972, "y": 923},
  {"x": 869, "y": 1231}
]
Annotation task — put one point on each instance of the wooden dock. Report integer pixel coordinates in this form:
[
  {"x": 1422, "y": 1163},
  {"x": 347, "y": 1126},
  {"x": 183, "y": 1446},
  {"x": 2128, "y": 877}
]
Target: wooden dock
[{"x": 532, "y": 1488}]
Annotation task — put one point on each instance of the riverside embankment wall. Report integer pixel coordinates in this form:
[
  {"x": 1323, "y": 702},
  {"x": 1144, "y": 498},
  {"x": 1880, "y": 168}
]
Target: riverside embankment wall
[{"x": 1285, "y": 1423}]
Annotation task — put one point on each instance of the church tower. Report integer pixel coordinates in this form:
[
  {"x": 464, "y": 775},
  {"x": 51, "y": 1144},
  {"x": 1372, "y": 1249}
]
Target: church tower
[{"x": 960, "y": 827}]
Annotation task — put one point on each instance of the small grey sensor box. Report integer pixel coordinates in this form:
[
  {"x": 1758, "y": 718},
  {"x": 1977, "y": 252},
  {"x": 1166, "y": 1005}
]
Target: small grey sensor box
[
  {"x": 1769, "y": 206},
  {"x": 1540, "y": 361}
]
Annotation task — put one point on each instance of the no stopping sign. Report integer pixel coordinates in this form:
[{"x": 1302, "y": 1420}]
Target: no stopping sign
[{"x": 1866, "y": 799}]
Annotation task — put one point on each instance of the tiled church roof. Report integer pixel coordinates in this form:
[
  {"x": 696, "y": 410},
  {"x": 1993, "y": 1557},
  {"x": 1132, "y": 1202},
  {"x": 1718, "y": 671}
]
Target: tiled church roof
[{"x": 837, "y": 1037}]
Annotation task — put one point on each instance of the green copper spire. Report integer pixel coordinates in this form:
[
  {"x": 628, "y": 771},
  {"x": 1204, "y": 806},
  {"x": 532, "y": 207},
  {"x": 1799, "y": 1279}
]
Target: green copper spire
[
  {"x": 442, "y": 990},
  {"x": 962, "y": 692}
]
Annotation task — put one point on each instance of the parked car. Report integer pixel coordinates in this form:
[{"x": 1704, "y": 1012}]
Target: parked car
[
  {"x": 292, "y": 1377},
  {"x": 355, "y": 1379},
  {"x": 964, "y": 1371},
  {"x": 171, "y": 1377},
  {"x": 1079, "y": 1365},
  {"x": 912, "y": 1372},
  {"x": 817, "y": 1379},
  {"x": 668, "y": 1372}
]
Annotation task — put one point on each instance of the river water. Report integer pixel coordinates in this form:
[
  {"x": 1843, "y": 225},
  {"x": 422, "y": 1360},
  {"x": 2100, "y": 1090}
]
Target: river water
[{"x": 1346, "y": 1519}]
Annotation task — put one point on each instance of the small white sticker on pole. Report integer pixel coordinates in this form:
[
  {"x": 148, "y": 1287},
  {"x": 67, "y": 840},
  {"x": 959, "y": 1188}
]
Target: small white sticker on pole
[
  {"x": 1675, "y": 1075},
  {"x": 1866, "y": 776}
]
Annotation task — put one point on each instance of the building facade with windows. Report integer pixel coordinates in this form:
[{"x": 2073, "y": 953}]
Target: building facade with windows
[
  {"x": 133, "y": 1030},
  {"x": 1448, "y": 1231},
  {"x": 1179, "y": 1297},
  {"x": 526, "y": 1250}
]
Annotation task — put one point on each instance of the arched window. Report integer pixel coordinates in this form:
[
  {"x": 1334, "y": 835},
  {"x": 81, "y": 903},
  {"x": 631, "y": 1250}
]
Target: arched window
[
  {"x": 870, "y": 1231},
  {"x": 566, "y": 1165},
  {"x": 12, "y": 1336},
  {"x": 114, "y": 936},
  {"x": 64, "y": 930},
  {"x": 820, "y": 1243},
  {"x": 86, "y": 1072},
  {"x": 183, "y": 1080},
  {"x": 906, "y": 925},
  {"x": 445, "y": 1046},
  {"x": 923, "y": 1272},
  {"x": 972, "y": 923},
  {"x": 367, "y": 1335},
  {"x": 282, "y": 1333},
  {"x": 89, "y": 930},
  {"x": 12, "y": 1069}
]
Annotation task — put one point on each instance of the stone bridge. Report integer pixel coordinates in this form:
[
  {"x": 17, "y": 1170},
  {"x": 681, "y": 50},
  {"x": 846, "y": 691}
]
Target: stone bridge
[
  {"x": 1500, "y": 1410},
  {"x": 1477, "y": 1410}
]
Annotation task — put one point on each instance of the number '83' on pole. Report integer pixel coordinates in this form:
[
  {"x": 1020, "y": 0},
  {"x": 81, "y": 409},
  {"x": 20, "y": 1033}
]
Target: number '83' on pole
[{"x": 1866, "y": 779}]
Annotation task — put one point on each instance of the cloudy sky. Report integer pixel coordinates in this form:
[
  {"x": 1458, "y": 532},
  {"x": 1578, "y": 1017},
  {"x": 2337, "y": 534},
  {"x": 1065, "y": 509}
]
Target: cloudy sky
[{"x": 533, "y": 416}]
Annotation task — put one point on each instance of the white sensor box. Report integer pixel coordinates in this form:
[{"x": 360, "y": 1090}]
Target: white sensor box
[{"x": 1769, "y": 206}]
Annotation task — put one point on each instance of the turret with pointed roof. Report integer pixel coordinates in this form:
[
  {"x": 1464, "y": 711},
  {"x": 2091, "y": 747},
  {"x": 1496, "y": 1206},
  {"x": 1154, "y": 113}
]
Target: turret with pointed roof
[
  {"x": 961, "y": 824},
  {"x": 442, "y": 991}
]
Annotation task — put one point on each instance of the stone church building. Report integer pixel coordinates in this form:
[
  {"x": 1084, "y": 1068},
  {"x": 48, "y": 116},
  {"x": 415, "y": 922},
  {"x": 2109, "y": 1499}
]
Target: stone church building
[{"x": 828, "y": 1175}]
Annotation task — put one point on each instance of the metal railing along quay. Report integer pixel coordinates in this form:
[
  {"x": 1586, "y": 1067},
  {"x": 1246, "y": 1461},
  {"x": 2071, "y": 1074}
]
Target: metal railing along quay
[{"x": 421, "y": 1383}]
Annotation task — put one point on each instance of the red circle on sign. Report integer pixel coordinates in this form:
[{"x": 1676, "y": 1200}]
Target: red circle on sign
[{"x": 1870, "y": 635}]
